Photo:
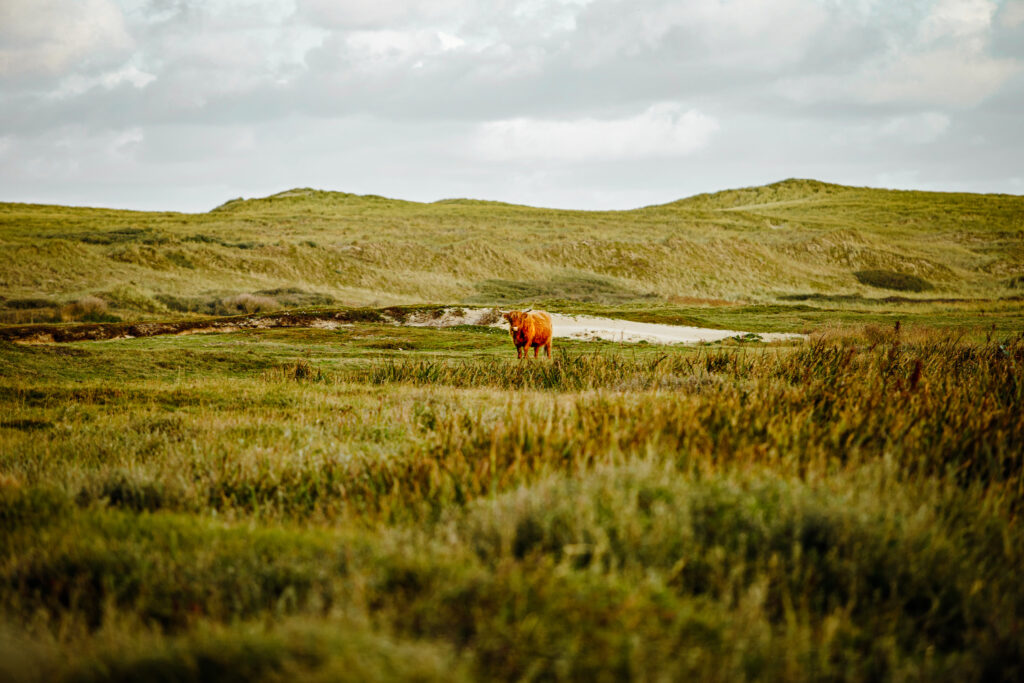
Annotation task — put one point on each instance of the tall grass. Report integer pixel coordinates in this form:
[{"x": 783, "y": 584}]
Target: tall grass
[
  {"x": 846, "y": 509},
  {"x": 938, "y": 406},
  {"x": 565, "y": 372}
]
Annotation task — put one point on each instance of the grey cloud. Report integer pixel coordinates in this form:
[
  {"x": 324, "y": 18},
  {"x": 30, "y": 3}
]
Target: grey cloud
[
  {"x": 617, "y": 54},
  {"x": 800, "y": 87},
  {"x": 356, "y": 14},
  {"x": 44, "y": 38}
]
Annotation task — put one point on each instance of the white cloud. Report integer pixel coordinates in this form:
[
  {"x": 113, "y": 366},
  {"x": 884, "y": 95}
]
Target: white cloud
[
  {"x": 50, "y": 37},
  {"x": 898, "y": 179},
  {"x": 953, "y": 77},
  {"x": 378, "y": 14},
  {"x": 750, "y": 34},
  {"x": 950, "y": 62},
  {"x": 449, "y": 41},
  {"x": 127, "y": 142},
  {"x": 958, "y": 19},
  {"x": 398, "y": 46},
  {"x": 911, "y": 129},
  {"x": 757, "y": 33},
  {"x": 663, "y": 130},
  {"x": 918, "y": 129},
  {"x": 1012, "y": 14},
  {"x": 129, "y": 74},
  {"x": 186, "y": 93},
  {"x": 943, "y": 58}
]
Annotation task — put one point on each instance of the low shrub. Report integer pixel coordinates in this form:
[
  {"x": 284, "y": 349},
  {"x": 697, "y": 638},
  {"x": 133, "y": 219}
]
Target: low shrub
[
  {"x": 249, "y": 303},
  {"x": 189, "y": 304},
  {"x": 207, "y": 239},
  {"x": 490, "y": 317},
  {"x": 299, "y": 371},
  {"x": 889, "y": 279},
  {"x": 90, "y": 309},
  {"x": 128, "y": 297},
  {"x": 30, "y": 303},
  {"x": 293, "y": 296}
]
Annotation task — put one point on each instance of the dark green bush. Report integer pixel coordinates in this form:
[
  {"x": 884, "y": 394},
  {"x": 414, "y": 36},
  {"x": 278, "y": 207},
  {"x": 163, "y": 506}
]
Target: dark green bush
[
  {"x": 25, "y": 304},
  {"x": 890, "y": 279},
  {"x": 189, "y": 304},
  {"x": 207, "y": 239},
  {"x": 293, "y": 296}
]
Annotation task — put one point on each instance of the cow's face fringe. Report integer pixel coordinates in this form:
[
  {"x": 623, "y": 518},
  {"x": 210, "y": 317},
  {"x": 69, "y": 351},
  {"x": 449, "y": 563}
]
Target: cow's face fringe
[{"x": 516, "y": 319}]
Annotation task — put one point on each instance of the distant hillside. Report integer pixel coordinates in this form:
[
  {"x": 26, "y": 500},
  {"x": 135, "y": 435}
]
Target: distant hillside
[{"x": 304, "y": 246}]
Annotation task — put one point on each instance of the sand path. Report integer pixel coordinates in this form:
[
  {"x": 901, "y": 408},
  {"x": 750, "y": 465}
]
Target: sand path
[{"x": 593, "y": 328}]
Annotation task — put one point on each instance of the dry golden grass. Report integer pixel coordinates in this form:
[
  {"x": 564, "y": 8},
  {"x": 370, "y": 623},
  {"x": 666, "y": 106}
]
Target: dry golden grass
[
  {"x": 373, "y": 251},
  {"x": 302, "y": 503}
]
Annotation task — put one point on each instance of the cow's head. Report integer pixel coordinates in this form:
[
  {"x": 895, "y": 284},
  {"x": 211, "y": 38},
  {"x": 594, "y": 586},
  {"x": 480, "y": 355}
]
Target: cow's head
[{"x": 515, "y": 318}]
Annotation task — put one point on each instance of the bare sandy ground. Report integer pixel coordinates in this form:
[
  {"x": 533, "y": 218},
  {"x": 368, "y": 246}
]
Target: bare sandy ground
[{"x": 592, "y": 328}]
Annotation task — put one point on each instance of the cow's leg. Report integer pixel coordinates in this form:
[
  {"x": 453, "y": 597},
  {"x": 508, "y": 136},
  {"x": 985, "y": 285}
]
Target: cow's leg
[
  {"x": 535, "y": 350},
  {"x": 547, "y": 348}
]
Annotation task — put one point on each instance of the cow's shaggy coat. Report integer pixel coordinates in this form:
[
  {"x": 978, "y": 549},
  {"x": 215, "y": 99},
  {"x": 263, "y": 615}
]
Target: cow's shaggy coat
[{"x": 529, "y": 328}]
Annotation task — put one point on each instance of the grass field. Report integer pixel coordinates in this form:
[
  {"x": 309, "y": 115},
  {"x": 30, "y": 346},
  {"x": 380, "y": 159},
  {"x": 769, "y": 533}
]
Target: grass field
[
  {"x": 401, "y": 502},
  {"x": 383, "y": 502}
]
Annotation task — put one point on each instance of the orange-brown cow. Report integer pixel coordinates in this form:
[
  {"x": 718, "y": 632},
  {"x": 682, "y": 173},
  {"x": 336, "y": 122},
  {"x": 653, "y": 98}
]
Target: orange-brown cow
[{"x": 529, "y": 328}]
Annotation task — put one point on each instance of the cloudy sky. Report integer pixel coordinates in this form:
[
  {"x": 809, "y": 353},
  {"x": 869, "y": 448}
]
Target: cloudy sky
[{"x": 183, "y": 104}]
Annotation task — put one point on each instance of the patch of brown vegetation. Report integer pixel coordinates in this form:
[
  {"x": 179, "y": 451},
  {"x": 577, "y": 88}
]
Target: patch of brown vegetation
[
  {"x": 46, "y": 334},
  {"x": 83, "y": 308}
]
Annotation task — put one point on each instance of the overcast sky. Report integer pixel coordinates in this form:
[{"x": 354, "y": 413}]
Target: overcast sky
[{"x": 183, "y": 104}]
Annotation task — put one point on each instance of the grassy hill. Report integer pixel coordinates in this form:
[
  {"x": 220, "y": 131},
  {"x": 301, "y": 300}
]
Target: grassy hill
[
  {"x": 281, "y": 500},
  {"x": 791, "y": 239}
]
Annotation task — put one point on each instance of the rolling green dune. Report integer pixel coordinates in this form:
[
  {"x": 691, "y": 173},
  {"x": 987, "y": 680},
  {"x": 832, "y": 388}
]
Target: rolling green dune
[{"x": 789, "y": 239}]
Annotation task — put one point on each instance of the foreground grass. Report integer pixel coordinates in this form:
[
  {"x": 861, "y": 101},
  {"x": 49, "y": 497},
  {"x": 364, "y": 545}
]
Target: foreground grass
[{"x": 286, "y": 503}]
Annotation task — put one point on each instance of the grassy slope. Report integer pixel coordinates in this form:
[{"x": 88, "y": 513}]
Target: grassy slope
[{"x": 748, "y": 245}]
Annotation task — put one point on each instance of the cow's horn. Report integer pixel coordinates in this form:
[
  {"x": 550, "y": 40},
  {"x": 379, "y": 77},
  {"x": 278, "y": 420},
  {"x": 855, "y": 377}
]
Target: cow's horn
[{"x": 527, "y": 310}]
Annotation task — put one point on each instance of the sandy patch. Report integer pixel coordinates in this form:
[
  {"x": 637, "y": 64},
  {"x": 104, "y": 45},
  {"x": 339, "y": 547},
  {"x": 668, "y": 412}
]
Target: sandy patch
[{"x": 593, "y": 328}]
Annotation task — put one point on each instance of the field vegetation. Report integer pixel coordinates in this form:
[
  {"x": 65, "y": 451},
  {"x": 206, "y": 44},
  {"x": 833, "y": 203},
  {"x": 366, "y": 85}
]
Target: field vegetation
[
  {"x": 389, "y": 502},
  {"x": 222, "y": 459}
]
